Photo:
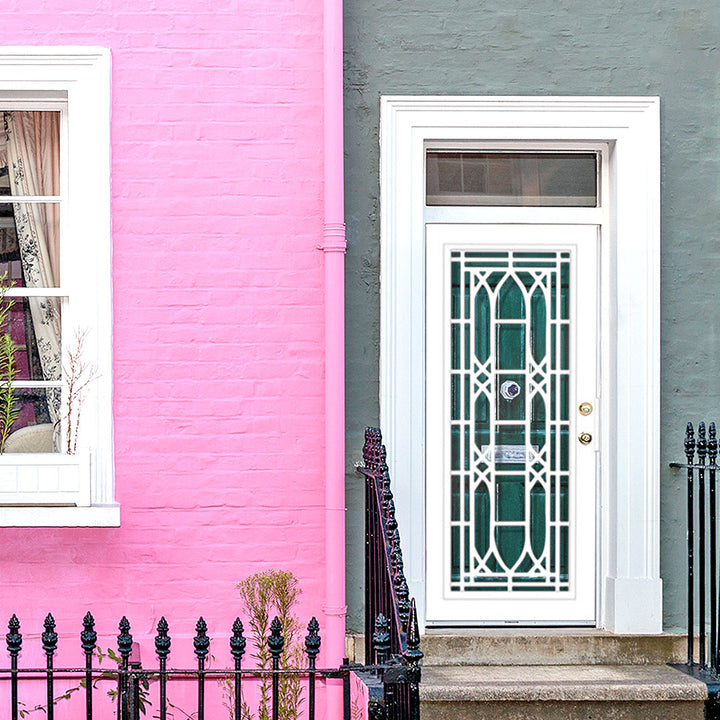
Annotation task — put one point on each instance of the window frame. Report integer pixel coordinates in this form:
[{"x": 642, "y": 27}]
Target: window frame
[{"x": 72, "y": 490}]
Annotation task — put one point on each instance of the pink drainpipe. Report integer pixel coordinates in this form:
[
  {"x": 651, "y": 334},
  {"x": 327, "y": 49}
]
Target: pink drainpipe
[{"x": 334, "y": 246}]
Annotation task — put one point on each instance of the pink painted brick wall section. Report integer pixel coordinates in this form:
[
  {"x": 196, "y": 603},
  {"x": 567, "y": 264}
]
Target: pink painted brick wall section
[{"x": 218, "y": 316}]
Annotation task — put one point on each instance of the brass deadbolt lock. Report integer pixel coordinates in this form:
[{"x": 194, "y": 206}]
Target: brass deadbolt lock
[
  {"x": 585, "y": 438},
  {"x": 585, "y": 408}
]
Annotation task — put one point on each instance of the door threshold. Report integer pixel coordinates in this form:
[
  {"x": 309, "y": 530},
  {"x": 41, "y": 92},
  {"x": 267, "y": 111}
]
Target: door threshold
[
  {"x": 525, "y": 630},
  {"x": 450, "y": 625}
]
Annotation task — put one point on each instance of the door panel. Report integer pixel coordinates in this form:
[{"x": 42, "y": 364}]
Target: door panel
[{"x": 511, "y": 352}]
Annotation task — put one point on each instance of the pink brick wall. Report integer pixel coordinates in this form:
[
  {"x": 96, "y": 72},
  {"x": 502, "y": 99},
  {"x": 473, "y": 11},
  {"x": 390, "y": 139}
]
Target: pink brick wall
[{"x": 218, "y": 334}]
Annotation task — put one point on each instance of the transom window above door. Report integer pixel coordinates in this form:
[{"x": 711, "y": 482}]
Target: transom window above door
[{"x": 496, "y": 178}]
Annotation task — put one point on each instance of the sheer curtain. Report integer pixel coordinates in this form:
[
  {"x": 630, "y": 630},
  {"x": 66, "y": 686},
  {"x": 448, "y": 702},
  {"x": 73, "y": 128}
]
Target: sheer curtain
[{"x": 33, "y": 154}]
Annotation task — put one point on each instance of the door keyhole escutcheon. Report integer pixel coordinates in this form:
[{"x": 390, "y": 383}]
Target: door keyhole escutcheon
[
  {"x": 585, "y": 438},
  {"x": 585, "y": 408}
]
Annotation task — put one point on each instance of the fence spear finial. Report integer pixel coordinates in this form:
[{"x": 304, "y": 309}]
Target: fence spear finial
[
  {"x": 276, "y": 641},
  {"x": 49, "y": 637},
  {"x": 413, "y": 653},
  {"x": 124, "y": 639},
  {"x": 701, "y": 443},
  {"x": 88, "y": 636},
  {"x": 237, "y": 640},
  {"x": 162, "y": 639},
  {"x": 201, "y": 641},
  {"x": 689, "y": 443},
  {"x": 712, "y": 443},
  {"x": 312, "y": 639},
  {"x": 14, "y": 638},
  {"x": 381, "y": 638}
]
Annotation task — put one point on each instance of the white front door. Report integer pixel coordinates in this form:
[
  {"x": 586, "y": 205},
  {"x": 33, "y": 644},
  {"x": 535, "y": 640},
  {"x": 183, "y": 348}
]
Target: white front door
[{"x": 511, "y": 423}]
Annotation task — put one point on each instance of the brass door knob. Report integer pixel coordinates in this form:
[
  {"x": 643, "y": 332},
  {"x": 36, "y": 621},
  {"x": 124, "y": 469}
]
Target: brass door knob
[
  {"x": 585, "y": 408},
  {"x": 585, "y": 438}
]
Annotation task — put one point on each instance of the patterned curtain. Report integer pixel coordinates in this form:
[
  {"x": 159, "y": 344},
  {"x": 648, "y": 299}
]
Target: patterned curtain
[{"x": 33, "y": 150}]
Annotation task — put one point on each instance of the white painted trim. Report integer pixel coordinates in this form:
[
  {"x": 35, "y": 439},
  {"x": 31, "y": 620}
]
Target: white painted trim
[
  {"x": 631, "y": 589},
  {"x": 43, "y": 516},
  {"x": 76, "y": 81}
]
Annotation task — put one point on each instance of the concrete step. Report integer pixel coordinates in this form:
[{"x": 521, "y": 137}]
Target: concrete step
[
  {"x": 549, "y": 646},
  {"x": 560, "y": 692},
  {"x": 546, "y": 646}
]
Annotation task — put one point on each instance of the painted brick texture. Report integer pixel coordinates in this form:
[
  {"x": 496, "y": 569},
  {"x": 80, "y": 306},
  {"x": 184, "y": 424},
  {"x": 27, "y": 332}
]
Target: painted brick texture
[
  {"x": 543, "y": 47},
  {"x": 218, "y": 316}
]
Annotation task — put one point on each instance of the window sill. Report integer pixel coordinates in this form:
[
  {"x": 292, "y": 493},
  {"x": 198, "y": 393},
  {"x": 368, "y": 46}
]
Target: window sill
[
  {"x": 51, "y": 490},
  {"x": 43, "y": 516}
]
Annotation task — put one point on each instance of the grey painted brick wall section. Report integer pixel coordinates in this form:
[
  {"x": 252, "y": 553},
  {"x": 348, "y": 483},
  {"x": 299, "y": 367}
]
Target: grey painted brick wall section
[{"x": 550, "y": 47}]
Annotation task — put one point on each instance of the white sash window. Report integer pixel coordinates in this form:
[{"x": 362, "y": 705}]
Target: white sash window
[{"x": 55, "y": 248}]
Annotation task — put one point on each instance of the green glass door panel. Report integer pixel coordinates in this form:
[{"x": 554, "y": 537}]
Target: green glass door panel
[{"x": 509, "y": 380}]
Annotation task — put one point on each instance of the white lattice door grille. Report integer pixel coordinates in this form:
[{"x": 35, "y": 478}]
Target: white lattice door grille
[{"x": 511, "y": 354}]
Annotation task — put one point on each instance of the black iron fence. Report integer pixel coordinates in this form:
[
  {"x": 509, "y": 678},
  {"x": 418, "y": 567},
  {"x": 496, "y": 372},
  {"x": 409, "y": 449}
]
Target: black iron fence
[
  {"x": 703, "y": 651},
  {"x": 387, "y": 684},
  {"x": 392, "y": 639},
  {"x": 702, "y": 514},
  {"x": 131, "y": 693},
  {"x": 128, "y": 691}
]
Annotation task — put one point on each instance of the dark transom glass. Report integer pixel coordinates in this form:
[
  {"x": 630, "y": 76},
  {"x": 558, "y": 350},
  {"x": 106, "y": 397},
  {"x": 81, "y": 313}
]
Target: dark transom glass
[{"x": 539, "y": 179}]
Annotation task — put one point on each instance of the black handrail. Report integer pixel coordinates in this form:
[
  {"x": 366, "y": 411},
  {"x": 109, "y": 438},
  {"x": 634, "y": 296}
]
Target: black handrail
[
  {"x": 386, "y": 589},
  {"x": 392, "y": 638}
]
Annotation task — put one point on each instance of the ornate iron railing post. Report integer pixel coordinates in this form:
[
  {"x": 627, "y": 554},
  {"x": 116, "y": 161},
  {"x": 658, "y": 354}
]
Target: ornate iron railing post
[
  {"x": 201, "y": 642},
  {"x": 312, "y": 648},
  {"x": 712, "y": 460},
  {"x": 124, "y": 641},
  {"x": 347, "y": 690},
  {"x": 14, "y": 645},
  {"x": 276, "y": 642},
  {"x": 49, "y": 644},
  {"x": 162, "y": 650},
  {"x": 88, "y": 639},
  {"x": 702, "y": 453},
  {"x": 690, "y": 455},
  {"x": 237, "y": 650},
  {"x": 413, "y": 655}
]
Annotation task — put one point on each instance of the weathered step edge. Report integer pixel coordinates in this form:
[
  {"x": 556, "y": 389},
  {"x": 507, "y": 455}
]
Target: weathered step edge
[
  {"x": 559, "y": 684},
  {"x": 644, "y": 710},
  {"x": 542, "y": 648}
]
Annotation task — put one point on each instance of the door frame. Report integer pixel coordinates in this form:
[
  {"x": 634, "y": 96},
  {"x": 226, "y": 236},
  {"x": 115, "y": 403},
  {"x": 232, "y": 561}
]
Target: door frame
[
  {"x": 577, "y": 605},
  {"x": 630, "y": 589}
]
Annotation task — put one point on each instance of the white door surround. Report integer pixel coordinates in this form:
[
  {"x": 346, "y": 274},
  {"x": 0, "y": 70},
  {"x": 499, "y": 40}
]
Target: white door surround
[{"x": 630, "y": 590}]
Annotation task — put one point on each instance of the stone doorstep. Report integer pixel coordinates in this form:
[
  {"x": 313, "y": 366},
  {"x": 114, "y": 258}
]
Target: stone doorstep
[
  {"x": 670, "y": 710},
  {"x": 539, "y": 646},
  {"x": 559, "y": 683}
]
